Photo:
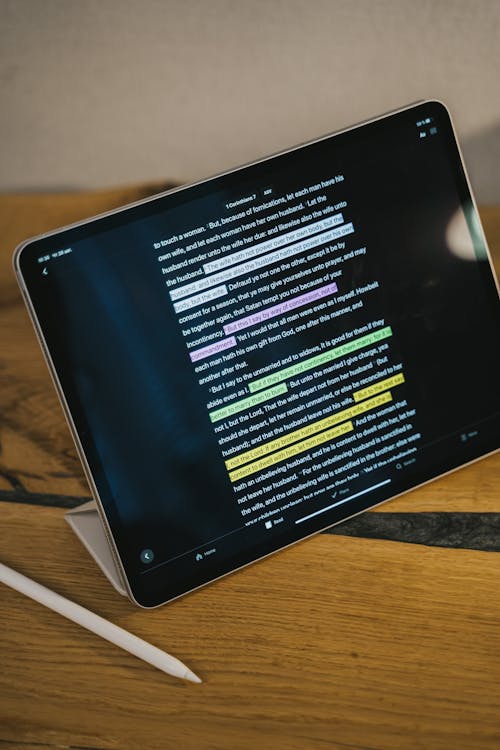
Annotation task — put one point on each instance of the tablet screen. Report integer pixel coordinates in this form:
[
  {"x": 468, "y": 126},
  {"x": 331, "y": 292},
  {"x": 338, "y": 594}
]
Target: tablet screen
[{"x": 251, "y": 359}]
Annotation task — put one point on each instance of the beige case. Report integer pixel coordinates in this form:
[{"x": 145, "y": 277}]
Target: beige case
[{"x": 86, "y": 524}]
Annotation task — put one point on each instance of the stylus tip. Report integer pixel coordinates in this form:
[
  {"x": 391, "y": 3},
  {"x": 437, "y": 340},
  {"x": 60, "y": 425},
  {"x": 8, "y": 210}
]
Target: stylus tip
[{"x": 191, "y": 676}]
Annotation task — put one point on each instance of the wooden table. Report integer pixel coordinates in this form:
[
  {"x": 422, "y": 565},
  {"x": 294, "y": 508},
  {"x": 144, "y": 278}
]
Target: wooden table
[{"x": 383, "y": 634}]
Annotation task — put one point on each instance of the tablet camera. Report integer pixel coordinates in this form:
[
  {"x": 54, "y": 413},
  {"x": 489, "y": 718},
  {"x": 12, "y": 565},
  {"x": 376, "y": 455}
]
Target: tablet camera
[{"x": 147, "y": 556}]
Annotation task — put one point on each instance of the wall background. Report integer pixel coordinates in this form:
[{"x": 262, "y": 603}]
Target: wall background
[{"x": 100, "y": 92}]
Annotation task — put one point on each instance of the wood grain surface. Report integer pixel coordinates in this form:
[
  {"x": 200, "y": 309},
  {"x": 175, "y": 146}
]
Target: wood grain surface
[{"x": 347, "y": 640}]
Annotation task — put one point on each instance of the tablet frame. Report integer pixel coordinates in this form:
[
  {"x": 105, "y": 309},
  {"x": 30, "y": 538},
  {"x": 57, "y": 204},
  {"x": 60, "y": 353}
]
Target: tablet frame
[{"x": 60, "y": 392}]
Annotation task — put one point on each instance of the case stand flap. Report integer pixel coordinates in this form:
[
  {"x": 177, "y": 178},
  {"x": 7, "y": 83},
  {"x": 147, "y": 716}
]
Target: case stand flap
[{"x": 86, "y": 524}]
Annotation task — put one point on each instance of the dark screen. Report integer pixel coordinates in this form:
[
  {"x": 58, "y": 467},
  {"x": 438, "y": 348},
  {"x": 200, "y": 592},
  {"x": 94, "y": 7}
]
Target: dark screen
[{"x": 254, "y": 358}]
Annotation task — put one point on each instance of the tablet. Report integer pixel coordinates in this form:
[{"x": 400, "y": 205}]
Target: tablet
[{"x": 248, "y": 360}]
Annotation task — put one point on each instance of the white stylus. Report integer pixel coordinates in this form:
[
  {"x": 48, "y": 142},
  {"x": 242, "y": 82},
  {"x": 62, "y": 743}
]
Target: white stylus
[{"x": 96, "y": 624}]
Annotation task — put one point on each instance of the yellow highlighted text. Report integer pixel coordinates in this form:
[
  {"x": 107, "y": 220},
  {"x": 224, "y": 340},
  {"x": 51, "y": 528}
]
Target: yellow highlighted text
[
  {"x": 382, "y": 385},
  {"x": 292, "y": 450},
  {"x": 307, "y": 430}
]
